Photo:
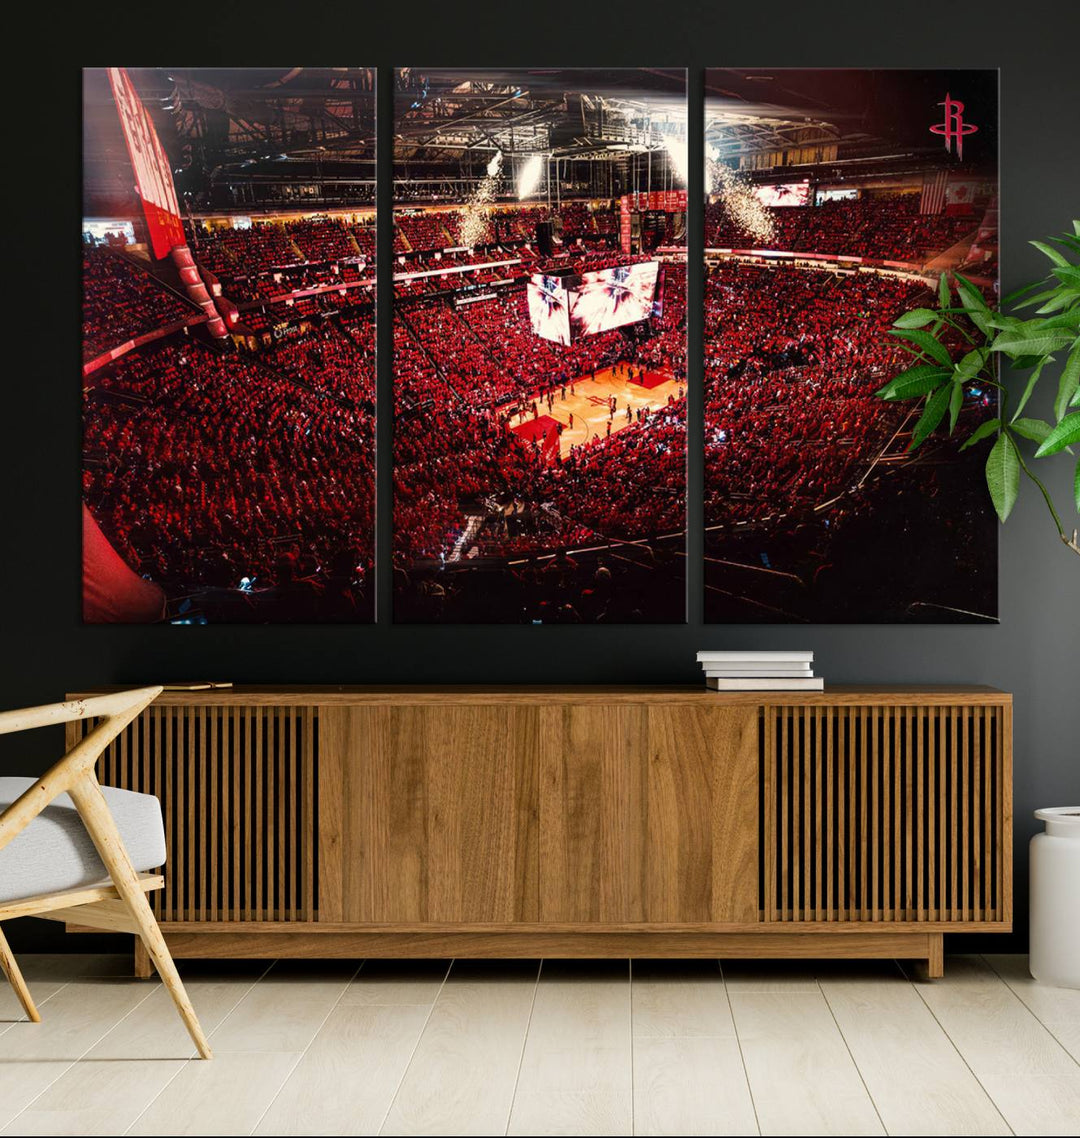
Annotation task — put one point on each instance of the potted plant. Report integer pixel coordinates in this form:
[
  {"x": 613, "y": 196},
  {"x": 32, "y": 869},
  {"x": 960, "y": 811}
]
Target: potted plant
[{"x": 964, "y": 320}]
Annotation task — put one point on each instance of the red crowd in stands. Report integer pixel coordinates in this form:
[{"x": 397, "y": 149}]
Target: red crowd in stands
[
  {"x": 882, "y": 228},
  {"x": 122, "y": 302},
  {"x": 204, "y": 467},
  {"x": 792, "y": 360}
]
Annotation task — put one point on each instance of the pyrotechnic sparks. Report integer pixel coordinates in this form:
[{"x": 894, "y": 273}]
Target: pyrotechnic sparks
[
  {"x": 739, "y": 200},
  {"x": 477, "y": 210},
  {"x": 529, "y": 177},
  {"x": 676, "y": 148}
]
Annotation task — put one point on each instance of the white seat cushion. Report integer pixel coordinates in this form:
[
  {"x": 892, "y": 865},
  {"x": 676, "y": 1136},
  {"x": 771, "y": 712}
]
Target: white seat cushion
[{"x": 55, "y": 852}]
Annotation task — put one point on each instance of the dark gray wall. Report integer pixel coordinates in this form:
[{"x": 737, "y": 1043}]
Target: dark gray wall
[{"x": 1034, "y": 651}]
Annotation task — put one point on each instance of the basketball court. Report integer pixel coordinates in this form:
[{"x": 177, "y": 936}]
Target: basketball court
[{"x": 585, "y": 412}]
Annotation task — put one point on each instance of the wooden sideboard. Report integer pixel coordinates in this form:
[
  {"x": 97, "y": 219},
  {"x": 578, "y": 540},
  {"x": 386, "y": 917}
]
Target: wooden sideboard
[{"x": 584, "y": 821}]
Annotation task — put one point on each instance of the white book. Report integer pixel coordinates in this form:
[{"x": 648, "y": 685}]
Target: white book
[
  {"x": 765, "y": 684},
  {"x": 758, "y": 667},
  {"x": 773, "y": 673},
  {"x": 757, "y": 657}
]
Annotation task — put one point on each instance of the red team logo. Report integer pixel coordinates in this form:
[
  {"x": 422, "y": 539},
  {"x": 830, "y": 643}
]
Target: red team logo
[{"x": 954, "y": 126}]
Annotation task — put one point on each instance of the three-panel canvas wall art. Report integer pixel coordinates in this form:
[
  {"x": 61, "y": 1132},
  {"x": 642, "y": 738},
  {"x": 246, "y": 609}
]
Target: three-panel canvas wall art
[{"x": 546, "y": 287}]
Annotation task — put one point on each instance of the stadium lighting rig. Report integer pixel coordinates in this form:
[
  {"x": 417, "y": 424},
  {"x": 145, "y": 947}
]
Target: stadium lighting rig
[{"x": 529, "y": 176}]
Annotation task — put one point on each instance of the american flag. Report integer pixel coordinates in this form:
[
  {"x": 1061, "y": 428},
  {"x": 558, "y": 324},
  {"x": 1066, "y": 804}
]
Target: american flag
[{"x": 933, "y": 192}]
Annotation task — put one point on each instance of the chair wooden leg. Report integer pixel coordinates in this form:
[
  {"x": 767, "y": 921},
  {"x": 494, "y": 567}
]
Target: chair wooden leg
[
  {"x": 106, "y": 838},
  {"x": 15, "y": 979}
]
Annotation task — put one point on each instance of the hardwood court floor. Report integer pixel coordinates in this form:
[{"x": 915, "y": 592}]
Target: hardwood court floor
[
  {"x": 487, "y": 1047},
  {"x": 588, "y": 405}
]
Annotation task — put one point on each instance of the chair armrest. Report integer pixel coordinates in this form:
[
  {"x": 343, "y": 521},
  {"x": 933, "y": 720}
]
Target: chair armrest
[{"x": 116, "y": 712}]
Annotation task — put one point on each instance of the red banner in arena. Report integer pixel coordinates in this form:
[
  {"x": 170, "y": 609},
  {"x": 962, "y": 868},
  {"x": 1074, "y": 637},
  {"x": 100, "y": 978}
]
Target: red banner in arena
[
  {"x": 153, "y": 177},
  {"x": 667, "y": 201}
]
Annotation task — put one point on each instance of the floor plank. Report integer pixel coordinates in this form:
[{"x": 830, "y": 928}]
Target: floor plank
[
  {"x": 679, "y": 998},
  {"x": 994, "y": 1031},
  {"x": 1030, "y": 1076},
  {"x": 285, "y": 1009},
  {"x": 34, "y": 1055},
  {"x": 801, "y": 1076},
  {"x": 1038, "y": 1104},
  {"x": 691, "y": 1084},
  {"x": 769, "y": 976},
  {"x": 96, "y": 1097},
  {"x": 1057, "y": 1009},
  {"x": 918, "y": 1081},
  {"x": 397, "y": 982},
  {"x": 461, "y": 1079},
  {"x": 347, "y": 1078},
  {"x": 154, "y": 1030},
  {"x": 227, "y": 1095},
  {"x": 576, "y": 1070}
]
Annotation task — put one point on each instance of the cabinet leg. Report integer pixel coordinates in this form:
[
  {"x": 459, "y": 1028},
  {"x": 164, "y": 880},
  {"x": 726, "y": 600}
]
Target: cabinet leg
[
  {"x": 935, "y": 963},
  {"x": 143, "y": 970}
]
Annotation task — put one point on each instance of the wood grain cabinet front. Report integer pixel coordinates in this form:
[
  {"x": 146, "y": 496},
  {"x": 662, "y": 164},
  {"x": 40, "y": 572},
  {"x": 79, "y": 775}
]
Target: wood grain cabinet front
[
  {"x": 648, "y": 814},
  {"x": 428, "y": 814}
]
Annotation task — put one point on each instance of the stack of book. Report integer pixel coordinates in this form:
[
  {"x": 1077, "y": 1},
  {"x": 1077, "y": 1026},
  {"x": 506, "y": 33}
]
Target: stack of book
[{"x": 760, "y": 671}]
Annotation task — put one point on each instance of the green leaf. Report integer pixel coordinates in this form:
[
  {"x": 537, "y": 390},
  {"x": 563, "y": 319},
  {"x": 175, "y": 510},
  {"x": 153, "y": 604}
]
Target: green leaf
[
  {"x": 1051, "y": 252},
  {"x": 1030, "y": 341},
  {"x": 916, "y": 318},
  {"x": 943, "y": 290},
  {"x": 956, "y": 401},
  {"x": 926, "y": 342},
  {"x": 1068, "y": 384},
  {"x": 1032, "y": 380},
  {"x": 1064, "y": 298},
  {"x": 1039, "y": 297},
  {"x": 1076, "y": 227},
  {"x": 915, "y": 381},
  {"x": 974, "y": 305},
  {"x": 1034, "y": 429},
  {"x": 1064, "y": 434},
  {"x": 981, "y": 432},
  {"x": 1068, "y": 274},
  {"x": 934, "y": 411},
  {"x": 970, "y": 365},
  {"x": 1012, "y": 297},
  {"x": 1003, "y": 475}
]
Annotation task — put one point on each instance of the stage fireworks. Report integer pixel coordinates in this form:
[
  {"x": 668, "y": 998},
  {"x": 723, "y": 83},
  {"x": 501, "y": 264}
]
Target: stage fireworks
[
  {"x": 739, "y": 200},
  {"x": 477, "y": 210}
]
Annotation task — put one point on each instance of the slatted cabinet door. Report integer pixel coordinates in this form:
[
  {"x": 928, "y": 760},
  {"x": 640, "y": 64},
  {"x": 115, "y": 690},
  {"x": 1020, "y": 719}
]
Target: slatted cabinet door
[
  {"x": 648, "y": 814},
  {"x": 428, "y": 813},
  {"x": 887, "y": 813},
  {"x": 237, "y": 786}
]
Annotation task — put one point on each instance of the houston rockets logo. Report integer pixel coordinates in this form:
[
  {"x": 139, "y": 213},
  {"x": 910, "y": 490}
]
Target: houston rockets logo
[{"x": 954, "y": 128}]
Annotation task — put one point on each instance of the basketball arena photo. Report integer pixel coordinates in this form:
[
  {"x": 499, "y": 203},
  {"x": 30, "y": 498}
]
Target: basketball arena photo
[
  {"x": 835, "y": 200},
  {"x": 539, "y": 346},
  {"x": 228, "y": 245}
]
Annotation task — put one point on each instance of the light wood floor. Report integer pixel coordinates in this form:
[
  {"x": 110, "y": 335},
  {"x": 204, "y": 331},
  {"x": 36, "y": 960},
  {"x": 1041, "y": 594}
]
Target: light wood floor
[{"x": 563, "y": 1048}]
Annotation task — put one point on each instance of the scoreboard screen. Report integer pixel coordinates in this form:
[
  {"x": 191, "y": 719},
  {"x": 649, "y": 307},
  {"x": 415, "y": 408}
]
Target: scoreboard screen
[
  {"x": 610, "y": 298},
  {"x": 785, "y": 193},
  {"x": 549, "y": 308}
]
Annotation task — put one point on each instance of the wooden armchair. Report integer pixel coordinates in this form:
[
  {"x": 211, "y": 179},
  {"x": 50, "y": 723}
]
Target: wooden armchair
[{"x": 55, "y": 873}]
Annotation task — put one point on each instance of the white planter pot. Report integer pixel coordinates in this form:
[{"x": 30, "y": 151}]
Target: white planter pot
[{"x": 1055, "y": 898}]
